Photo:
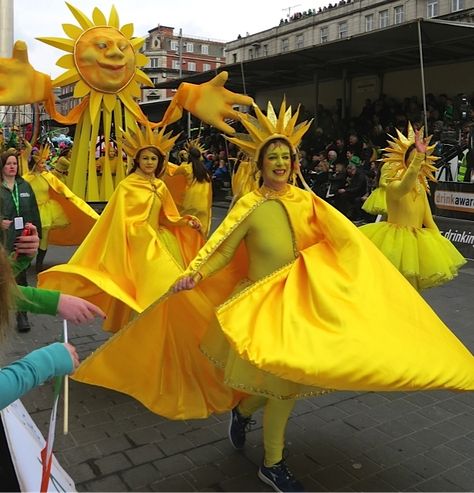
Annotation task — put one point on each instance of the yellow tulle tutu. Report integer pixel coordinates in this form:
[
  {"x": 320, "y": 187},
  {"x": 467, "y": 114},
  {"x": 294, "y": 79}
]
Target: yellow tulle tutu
[
  {"x": 376, "y": 202},
  {"x": 423, "y": 256}
]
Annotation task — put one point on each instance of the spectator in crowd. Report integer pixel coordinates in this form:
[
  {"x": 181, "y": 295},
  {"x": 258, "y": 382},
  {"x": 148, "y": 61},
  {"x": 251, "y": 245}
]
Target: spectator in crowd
[
  {"x": 18, "y": 208},
  {"x": 354, "y": 189}
]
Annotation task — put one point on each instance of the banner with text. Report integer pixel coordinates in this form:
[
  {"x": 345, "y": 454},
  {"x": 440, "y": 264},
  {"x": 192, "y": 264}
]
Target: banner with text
[
  {"x": 452, "y": 199},
  {"x": 459, "y": 232}
]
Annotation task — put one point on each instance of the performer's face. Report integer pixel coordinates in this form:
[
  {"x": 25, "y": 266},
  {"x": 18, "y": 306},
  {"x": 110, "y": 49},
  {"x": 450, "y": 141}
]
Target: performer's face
[
  {"x": 41, "y": 165},
  {"x": 11, "y": 167},
  {"x": 105, "y": 59},
  {"x": 148, "y": 162},
  {"x": 276, "y": 168}
]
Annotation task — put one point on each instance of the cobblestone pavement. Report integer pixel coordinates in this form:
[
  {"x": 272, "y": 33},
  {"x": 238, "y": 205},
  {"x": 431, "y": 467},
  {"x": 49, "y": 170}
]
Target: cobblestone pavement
[{"x": 345, "y": 441}]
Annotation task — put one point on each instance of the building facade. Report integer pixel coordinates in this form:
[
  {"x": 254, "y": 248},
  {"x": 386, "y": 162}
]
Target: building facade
[
  {"x": 172, "y": 55},
  {"x": 340, "y": 20}
]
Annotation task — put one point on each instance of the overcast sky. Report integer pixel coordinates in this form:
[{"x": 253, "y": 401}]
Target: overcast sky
[{"x": 222, "y": 20}]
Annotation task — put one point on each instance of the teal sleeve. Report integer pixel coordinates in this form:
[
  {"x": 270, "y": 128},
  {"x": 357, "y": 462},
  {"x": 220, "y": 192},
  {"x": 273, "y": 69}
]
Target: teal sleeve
[
  {"x": 32, "y": 370},
  {"x": 36, "y": 300}
]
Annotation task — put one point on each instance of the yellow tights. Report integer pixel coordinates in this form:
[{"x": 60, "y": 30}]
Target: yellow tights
[{"x": 275, "y": 417}]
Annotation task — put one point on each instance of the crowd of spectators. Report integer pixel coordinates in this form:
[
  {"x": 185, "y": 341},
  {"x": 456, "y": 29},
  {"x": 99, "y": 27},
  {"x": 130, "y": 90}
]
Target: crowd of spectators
[
  {"x": 340, "y": 157},
  {"x": 308, "y": 13}
]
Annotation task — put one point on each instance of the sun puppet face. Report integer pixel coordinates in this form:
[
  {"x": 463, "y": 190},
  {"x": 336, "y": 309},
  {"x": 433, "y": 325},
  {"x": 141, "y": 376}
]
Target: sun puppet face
[{"x": 105, "y": 59}]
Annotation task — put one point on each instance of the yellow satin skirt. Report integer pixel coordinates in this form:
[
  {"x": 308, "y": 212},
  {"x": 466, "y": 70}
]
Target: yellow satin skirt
[
  {"x": 423, "y": 256},
  {"x": 52, "y": 215},
  {"x": 241, "y": 375},
  {"x": 376, "y": 202}
]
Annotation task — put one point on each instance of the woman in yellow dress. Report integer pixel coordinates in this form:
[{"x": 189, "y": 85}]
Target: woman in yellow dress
[
  {"x": 409, "y": 237},
  {"x": 65, "y": 218},
  {"x": 274, "y": 301},
  {"x": 197, "y": 199},
  {"x": 139, "y": 246}
]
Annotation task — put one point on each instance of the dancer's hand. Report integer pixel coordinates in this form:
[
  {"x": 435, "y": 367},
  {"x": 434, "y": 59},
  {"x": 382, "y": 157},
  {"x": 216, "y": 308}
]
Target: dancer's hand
[
  {"x": 5, "y": 224},
  {"x": 188, "y": 282},
  {"x": 195, "y": 224},
  {"x": 77, "y": 310},
  {"x": 420, "y": 144}
]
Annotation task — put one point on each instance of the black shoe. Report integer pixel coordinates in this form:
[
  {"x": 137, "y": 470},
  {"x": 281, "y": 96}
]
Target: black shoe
[
  {"x": 238, "y": 426},
  {"x": 279, "y": 477},
  {"x": 22, "y": 323}
]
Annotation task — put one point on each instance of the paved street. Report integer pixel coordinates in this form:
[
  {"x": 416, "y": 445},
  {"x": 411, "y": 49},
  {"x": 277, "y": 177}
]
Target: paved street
[{"x": 345, "y": 441}]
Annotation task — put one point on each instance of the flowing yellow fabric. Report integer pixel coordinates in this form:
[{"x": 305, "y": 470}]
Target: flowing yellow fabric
[
  {"x": 176, "y": 183},
  {"x": 409, "y": 238},
  {"x": 244, "y": 179},
  {"x": 68, "y": 216},
  {"x": 135, "y": 252},
  {"x": 197, "y": 199},
  {"x": 305, "y": 323}
]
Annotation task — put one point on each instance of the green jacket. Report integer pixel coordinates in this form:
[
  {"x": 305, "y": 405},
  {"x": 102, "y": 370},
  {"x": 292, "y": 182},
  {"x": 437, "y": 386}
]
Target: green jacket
[{"x": 28, "y": 209}]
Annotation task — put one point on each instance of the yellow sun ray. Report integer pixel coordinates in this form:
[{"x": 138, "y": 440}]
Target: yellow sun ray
[
  {"x": 83, "y": 20},
  {"x": 72, "y": 31},
  {"x": 66, "y": 61},
  {"x": 127, "y": 30},
  {"x": 114, "y": 18},
  {"x": 61, "y": 43},
  {"x": 67, "y": 78},
  {"x": 81, "y": 89},
  {"x": 98, "y": 17}
]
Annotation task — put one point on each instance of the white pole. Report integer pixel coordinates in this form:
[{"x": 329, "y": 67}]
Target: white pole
[
  {"x": 66, "y": 388},
  {"x": 422, "y": 71},
  {"x": 6, "y": 41}
]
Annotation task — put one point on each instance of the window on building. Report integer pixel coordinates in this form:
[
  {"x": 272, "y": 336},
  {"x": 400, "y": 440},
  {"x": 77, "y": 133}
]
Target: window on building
[
  {"x": 154, "y": 62},
  {"x": 174, "y": 45},
  {"x": 175, "y": 64},
  {"x": 285, "y": 44},
  {"x": 189, "y": 47},
  {"x": 154, "y": 80},
  {"x": 342, "y": 30},
  {"x": 398, "y": 14},
  {"x": 457, "y": 5},
  {"x": 324, "y": 34},
  {"x": 250, "y": 53},
  {"x": 299, "y": 41},
  {"x": 192, "y": 66},
  {"x": 206, "y": 67},
  {"x": 265, "y": 50},
  {"x": 204, "y": 49},
  {"x": 369, "y": 23},
  {"x": 234, "y": 57},
  {"x": 432, "y": 8},
  {"x": 383, "y": 18}
]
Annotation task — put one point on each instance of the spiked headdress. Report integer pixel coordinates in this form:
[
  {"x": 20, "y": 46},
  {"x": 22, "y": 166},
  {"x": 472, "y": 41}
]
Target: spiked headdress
[
  {"x": 395, "y": 159},
  {"x": 268, "y": 127},
  {"x": 42, "y": 154},
  {"x": 134, "y": 142},
  {"x": 194, "y": 144}
]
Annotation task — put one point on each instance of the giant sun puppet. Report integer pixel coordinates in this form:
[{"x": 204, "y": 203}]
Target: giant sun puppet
[{"x": 103, "y": 63}]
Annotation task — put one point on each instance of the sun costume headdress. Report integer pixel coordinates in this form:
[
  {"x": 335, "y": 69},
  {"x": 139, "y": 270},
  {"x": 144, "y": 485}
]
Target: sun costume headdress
[
  {"x": 268, "y": 127},
  {"x": 395, "y": 159},
  {"x": 194, "y": 144},
  {"x": 134, "y": 142},
  {"x": 42, "y": 155}
]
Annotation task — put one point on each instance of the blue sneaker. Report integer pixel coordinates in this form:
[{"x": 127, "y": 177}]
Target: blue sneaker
[
  {"x": 238, "y": 427},
  {"x": 279, "y": 477}
]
